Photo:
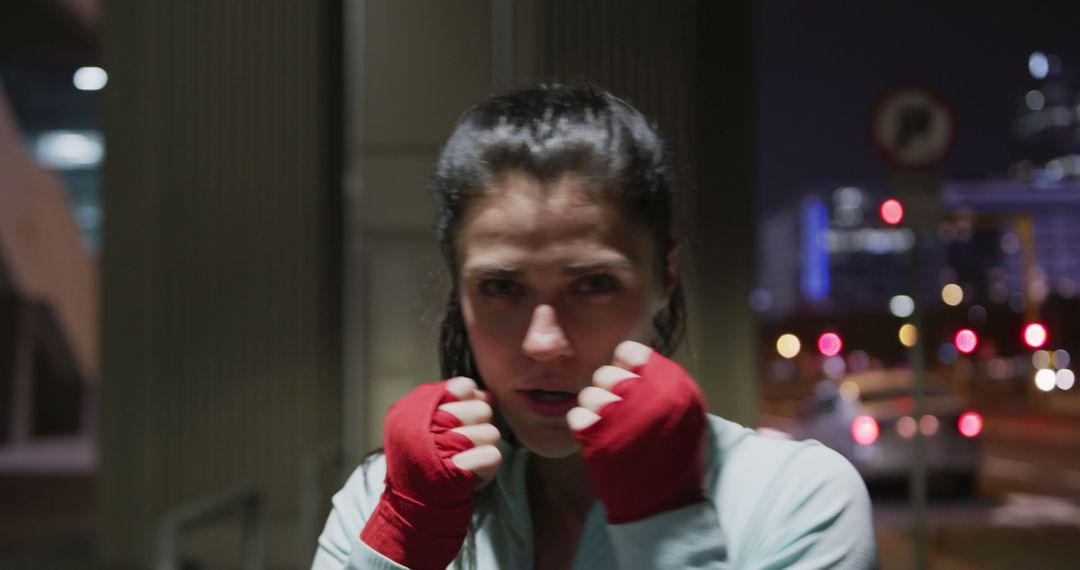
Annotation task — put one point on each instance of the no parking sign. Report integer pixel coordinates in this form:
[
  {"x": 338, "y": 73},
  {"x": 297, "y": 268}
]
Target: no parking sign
[{"x": 913, "y": 127}]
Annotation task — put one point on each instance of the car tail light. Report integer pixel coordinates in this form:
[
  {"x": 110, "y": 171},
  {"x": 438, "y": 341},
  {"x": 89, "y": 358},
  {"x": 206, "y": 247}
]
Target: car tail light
[
  {"x": 864, "y": 430},
  {"x": 970, "y": 424},
  {"x": 906, "y": 427},
  {"x": 928, "y": 425}
]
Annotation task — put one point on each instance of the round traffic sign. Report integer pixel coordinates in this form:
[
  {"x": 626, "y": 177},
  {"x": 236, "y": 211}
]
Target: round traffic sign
[{"x": 913, "y": 127}]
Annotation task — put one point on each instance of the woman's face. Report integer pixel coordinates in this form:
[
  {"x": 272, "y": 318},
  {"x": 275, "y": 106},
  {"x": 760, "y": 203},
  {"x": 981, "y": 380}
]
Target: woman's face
[{"x": 552, "y": 278}]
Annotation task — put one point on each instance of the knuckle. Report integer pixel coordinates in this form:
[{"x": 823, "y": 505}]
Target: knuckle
[
  {"x": 630, "y": 353},
  {"x": 483, "y": 409},
  {"x": 608, "y": 376}
]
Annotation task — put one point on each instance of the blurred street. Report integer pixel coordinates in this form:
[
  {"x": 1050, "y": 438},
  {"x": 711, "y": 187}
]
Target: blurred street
[
  {"x": 1032, "y": 452},
  {"x": 1025, "y": 513},
  {"x": 1015, "y": 531}
]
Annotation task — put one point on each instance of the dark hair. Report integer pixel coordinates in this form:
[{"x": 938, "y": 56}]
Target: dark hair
[{"x": 547, "y": 132}]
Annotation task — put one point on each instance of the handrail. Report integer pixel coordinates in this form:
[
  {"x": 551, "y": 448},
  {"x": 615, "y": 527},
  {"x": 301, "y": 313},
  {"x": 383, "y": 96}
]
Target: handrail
[
  {"x": 197, "y": 513},
  {"x": 312, "y": 509}
]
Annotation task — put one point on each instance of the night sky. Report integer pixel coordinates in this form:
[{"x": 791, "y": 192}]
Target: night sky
[{"x": 821, "y": 66}]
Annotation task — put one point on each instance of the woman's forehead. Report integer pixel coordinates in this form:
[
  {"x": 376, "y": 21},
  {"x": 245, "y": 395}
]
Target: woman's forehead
[{"x": 521, "y": 218}]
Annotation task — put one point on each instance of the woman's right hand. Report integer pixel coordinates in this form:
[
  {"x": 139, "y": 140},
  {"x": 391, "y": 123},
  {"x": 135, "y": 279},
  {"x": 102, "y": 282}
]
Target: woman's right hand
[{"x": 440, "y": 448}]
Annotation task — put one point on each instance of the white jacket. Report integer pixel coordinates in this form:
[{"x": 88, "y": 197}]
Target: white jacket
[{"x": 772, "y": 504}]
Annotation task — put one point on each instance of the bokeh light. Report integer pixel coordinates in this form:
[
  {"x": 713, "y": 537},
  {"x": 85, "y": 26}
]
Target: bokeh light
[
  {"x": 1045, "y": 379},
  {"x": 966, "y": 340},
  {"x": 1035, "y": 335},
  {"x": 1010, "y": 243},
  {"x": 892, "y": 211},
  {"x": 977, "y": 315},
  {"x": 788, "y": 345},
  {"x": 952, "y": 294},
  {"x": 90, "y": 78},
  {"x": 1041, "y": 359},
  {"x": 909, "y": 335},
  {"x": 970, "y": 424},
  {"x": 864, "y": 430},
  {"x": 849, "y": 390},
  {"x": 906, "y": 427},
  {"x": 1035, "y": 100},
  {"x": 829, "y": 344},
  {"x": 1038, "y": 65},
  {"x": 834, "y": 367},
  {"x": 1064, "y": 379},
  {"x": 858, "y": 361},
  {"x": 902, "y": 306},
  {"x": 947, "y": 353},
  {"x": 1061, "y": 358},
  {"x": 928, "y": 425},
  {"x": 998, "y": 368}
]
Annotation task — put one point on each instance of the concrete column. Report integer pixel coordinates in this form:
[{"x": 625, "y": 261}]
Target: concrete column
[{"x": 221, "y": 265}]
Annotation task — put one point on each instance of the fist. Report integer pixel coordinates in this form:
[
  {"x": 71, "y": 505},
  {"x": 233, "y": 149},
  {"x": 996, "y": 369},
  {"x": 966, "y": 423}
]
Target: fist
[
  {"x": 440, "y": 448},
  {"x": 594, "y": 398},
  {"x": 473, "y": 411},
  {"x": 641, "y": 426}
]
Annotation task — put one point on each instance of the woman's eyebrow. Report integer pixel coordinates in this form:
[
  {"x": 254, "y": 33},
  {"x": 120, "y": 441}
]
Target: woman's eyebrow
[
  {"x": 594, "y": 266},
  {"x": 497, "y": 271}
]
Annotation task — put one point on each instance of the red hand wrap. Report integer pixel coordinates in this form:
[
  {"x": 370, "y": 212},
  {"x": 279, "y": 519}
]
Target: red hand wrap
[
  {"x": 644, "y": 455},
  {"x": 424, "y": 512}
]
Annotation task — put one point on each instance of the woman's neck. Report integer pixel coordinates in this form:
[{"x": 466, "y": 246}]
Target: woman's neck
[{"x": 561, "y": 485}]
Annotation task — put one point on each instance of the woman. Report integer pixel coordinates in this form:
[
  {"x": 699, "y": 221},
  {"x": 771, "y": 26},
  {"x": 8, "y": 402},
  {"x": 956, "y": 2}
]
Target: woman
[{"x": 562, "y": 439}]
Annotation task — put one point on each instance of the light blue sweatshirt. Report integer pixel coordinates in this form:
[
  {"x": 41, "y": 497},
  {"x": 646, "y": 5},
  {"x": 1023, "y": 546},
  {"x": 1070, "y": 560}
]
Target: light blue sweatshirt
[{"x": 772, "y": 504}]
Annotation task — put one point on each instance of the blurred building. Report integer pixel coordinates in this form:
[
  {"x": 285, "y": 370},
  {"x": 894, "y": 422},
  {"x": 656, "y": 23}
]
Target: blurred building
[
  {"x": 49, "y": 361},
  {"x": 1003, "y": 239}
]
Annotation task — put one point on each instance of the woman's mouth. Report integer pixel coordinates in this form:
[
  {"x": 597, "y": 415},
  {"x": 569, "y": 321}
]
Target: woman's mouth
[{"x": 548, "y": 402}]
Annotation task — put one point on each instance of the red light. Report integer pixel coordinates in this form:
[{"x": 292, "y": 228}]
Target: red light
[
  {"x": 970, "y": 424},
  {"x": 829, "y": 344},
  {"x": 892, "y": 211},
  {"x": 966, "y": 341},
  {"x": 1035, "y": 335},
  {"x": 864, "y": 430}
]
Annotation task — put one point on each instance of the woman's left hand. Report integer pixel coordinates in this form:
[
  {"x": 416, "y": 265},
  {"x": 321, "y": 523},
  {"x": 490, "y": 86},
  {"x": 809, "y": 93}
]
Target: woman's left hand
[{"x": 641, "y": 426}]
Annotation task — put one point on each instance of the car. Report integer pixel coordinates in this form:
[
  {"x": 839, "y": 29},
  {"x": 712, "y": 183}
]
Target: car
[{"x": 869, "y": 417}]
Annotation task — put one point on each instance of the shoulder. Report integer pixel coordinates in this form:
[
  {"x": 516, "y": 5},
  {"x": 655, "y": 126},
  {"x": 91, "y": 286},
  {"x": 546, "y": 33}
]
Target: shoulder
[
  {"x": 362, "y": 489},
  {"x": 352, "y": 505},
  {"x": 740, "y": 452},
  {"x": 788, "y": 499}
]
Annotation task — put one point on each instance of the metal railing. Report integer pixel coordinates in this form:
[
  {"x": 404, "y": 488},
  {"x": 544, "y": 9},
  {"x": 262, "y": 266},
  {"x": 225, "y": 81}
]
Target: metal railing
[{"x": 193, "y": 515}]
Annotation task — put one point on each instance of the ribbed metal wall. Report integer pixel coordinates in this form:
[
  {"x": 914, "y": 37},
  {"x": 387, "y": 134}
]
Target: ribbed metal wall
[
  {"x": 641, "y": 50},
  {"x": 221, "y": 255},
  {"x": 686, "y": 65}
]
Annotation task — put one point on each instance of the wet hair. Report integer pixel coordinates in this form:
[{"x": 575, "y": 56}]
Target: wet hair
[{"x": 548, "y": 132}]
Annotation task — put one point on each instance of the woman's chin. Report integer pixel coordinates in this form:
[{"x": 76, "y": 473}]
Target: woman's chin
[{"x": 552, "y": 446}]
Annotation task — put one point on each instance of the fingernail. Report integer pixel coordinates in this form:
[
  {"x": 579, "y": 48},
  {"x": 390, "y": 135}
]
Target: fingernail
[{"x": 632, "y": 353}]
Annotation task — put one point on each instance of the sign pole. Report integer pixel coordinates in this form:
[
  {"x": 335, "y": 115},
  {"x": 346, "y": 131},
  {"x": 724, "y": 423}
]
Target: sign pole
[{"x": 914, "y": 129}]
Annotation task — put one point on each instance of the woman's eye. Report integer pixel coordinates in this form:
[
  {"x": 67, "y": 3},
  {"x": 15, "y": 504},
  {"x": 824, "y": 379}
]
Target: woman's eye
[
  {"x": 500, "y": 287},
  {"x": 597, "y": 284}
]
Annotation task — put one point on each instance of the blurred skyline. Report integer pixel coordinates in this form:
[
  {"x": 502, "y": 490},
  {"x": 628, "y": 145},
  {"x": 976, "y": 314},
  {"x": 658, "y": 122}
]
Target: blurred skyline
[{"x": 821, "y": 66}]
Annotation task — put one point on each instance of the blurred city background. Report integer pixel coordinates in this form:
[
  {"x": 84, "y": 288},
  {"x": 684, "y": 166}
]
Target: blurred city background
[{"x": 217, "y": 268}]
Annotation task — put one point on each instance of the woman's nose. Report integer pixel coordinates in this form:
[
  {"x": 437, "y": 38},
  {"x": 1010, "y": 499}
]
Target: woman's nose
[{"x": 545, "y": 339}]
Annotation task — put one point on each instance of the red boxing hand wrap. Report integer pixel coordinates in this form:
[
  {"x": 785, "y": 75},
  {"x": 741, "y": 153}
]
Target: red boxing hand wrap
[
  {"x": 425, "y": 509},
  {"x": 644, "y": 455}
]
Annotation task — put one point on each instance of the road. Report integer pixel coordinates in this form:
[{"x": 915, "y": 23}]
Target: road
[
  {"x": 1015, "y": 532},
  {"x": 1026, "y": 513}
]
